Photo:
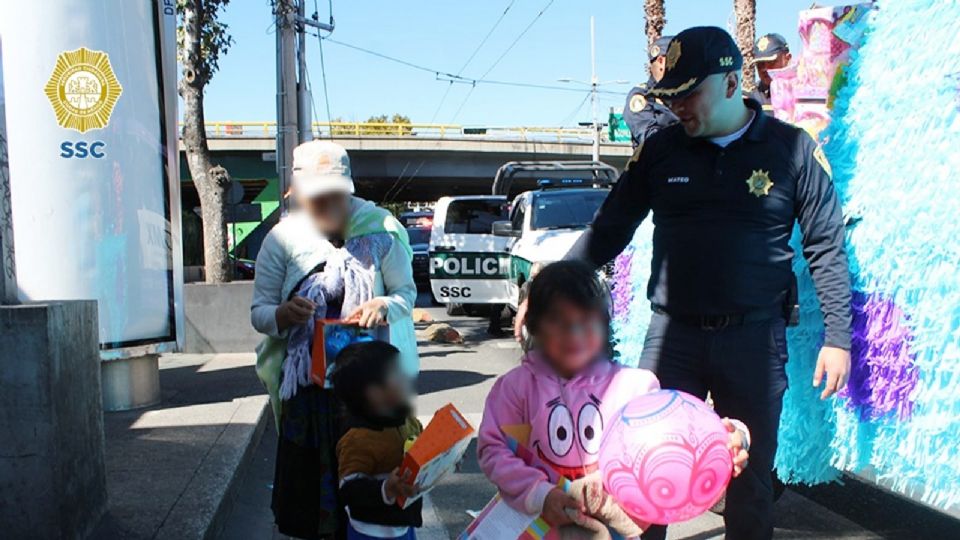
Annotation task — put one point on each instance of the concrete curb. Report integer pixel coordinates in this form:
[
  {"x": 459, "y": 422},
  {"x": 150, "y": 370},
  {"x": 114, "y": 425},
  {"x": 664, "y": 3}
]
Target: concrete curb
[
  {"x": 433, "y": 528},
  {"x": 201, "y": 510}
]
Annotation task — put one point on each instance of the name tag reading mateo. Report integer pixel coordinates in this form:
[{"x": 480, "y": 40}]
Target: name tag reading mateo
[{"x": 467, "y": 265}]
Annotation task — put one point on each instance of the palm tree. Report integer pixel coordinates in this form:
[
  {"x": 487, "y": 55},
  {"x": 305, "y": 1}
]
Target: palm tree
[
  {"x": 656, "y": 19},
  {"x": 746, "y": 11}
]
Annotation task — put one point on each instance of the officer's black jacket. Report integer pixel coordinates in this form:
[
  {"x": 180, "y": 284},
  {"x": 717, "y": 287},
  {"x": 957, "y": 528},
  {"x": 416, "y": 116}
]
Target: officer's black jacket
[
  {"x": 719, "y": 249},
  {"x": 652, "y": 117}
]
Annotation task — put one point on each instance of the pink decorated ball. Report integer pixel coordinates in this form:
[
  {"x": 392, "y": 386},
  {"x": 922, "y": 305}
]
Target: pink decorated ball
[{"x": 664, "y": 457}]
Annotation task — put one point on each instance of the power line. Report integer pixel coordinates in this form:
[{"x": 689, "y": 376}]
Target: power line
[
  {"x": 462, "y": 103},
  {"x": 575, "y": 111},
  {"x": 470, "y": 59},
  {"x": 504, "y": 54},
  {"x": 451, "y": 77},
  {"x": 323, "y": 74},
  {"x": 442, "y": 99},
  {"x": 486, "y": 37},
  {"x": 525, "y": 30}
]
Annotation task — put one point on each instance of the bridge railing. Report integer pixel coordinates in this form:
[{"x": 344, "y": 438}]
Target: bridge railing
[{"x": 254, "y": 130}]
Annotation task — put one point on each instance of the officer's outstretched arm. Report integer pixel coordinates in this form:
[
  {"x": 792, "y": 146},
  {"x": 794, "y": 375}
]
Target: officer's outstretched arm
[
  {"x": 821, "y": 222},
  {"x": 621, "y": 213}
]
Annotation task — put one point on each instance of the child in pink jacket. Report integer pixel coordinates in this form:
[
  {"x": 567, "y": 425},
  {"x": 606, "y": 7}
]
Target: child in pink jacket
[{"x": 561, "y": 396}]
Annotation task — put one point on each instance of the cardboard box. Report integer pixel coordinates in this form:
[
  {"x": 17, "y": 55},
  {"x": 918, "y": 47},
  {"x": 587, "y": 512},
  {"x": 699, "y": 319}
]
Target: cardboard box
[
  {"x": 330, "y": 336},
  {"x": 436, "y": 451}
]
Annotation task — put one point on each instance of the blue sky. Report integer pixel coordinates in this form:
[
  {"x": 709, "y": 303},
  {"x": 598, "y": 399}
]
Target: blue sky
[{"x": 441, "y": 35}]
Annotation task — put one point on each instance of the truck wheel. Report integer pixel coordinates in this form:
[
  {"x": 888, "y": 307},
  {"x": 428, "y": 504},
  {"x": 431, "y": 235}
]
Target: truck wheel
[{"x": 455, "y": 310}]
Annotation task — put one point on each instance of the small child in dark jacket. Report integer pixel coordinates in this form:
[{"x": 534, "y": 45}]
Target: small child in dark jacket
[{"x": 379, "y": 423}]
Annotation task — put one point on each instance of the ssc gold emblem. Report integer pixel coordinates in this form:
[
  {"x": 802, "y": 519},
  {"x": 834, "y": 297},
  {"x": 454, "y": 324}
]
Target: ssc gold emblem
[
  {"x": 759, "y": 183},
  {"x": 655, "y": 51},
  {"x": 637, "y": 103},
  {"x": 83, "y": 89},
  {"x": 673, "y": 54},
  {"x": 762, "y": 44}
]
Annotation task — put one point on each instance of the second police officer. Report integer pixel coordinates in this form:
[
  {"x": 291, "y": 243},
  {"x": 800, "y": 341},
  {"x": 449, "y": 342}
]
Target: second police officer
[
  {"x": 725, "y": 188},
  {"x": 644, "y": 113}
]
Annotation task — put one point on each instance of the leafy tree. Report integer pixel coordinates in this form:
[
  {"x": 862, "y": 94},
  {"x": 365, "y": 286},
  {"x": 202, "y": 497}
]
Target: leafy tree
[
  {"x": 202, "y": 38},
  {"x": 397, "y": 125},
  {"x": 656, "y": 20}
]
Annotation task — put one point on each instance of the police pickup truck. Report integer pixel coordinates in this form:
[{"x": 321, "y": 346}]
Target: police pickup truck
[{"x": 482, "y": 250}]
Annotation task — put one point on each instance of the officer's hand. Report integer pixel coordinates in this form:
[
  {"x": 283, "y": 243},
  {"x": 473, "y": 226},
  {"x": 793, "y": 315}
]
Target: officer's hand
[
  {"x": 835, "y": 363},
  {"x": 519, "y": 321}
]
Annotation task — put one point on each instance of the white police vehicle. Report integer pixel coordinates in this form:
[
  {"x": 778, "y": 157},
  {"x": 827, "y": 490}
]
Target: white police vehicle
[{"x": 468, "y": 264}]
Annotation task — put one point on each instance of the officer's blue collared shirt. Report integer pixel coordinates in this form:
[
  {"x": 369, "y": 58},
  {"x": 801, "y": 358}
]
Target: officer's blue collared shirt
[{"x": 721, "y": 230}]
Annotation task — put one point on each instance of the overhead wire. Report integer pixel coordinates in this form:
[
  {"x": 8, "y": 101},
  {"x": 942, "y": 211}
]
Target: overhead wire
[
  {"x": 447, "y": 76},
  {"x": 470, "y": 59},
  {"x": 575, "y": 111},
  {"x": 486, "y": 37},
  {"x": 323, "y": 66},
  {"x": 503, "y": 55},
  {"x": 517, "y": 39}
]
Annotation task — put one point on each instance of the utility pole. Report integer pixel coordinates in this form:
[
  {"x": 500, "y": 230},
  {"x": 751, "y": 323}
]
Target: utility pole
[
  {"x": 594, "y": 86},
  {"x": 304, "y": 101},
  {"x": 287, "y": 116},
  {"x": 293, "y": 95}
]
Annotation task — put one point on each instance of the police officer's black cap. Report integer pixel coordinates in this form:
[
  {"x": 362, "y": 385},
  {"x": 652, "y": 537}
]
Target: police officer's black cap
[
  {"x": 769, "y": 46},
  {"x": 692, "y": 56},
  {"x": 659, "y": 47}
]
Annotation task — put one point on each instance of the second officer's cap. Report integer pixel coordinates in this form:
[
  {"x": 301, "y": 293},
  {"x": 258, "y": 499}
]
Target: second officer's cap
[
  {"x": 769, "y": 46},
  {"x": 692, "y": 56},
  {"x": 659, "y": 47}
]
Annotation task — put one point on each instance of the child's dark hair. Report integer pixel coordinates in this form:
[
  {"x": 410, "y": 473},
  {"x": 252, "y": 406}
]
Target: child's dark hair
[
  {"x": 573, "y": 281},
  {"x": 359, "y": 366}
]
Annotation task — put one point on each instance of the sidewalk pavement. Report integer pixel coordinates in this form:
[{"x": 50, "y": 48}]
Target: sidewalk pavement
[
  {"x": 200, "y": 465},
  {"x": 172, "y": 468}
]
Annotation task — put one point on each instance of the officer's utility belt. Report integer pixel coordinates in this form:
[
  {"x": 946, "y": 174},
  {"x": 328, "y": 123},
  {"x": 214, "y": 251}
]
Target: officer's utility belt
[{"x": 718, "y": 322}]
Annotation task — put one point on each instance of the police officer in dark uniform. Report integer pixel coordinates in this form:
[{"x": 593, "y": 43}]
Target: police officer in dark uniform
[
  {"x": 770, "y": 52},
  {"x": 726, "y": 186},
  {"x": 643, "y": 113}
]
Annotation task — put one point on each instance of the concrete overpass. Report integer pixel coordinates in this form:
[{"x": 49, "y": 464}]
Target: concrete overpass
[
  {"x": 413, "y": 168},
  {"x": 391, "y": 163}
]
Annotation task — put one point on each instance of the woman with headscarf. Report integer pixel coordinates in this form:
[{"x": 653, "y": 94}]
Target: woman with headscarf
[{"x": 335, "y": 257}]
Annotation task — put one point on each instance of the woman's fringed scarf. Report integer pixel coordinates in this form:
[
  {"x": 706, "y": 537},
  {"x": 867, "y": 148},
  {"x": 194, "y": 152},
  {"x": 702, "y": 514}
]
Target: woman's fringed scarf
[{"x": 349, "y": 273}]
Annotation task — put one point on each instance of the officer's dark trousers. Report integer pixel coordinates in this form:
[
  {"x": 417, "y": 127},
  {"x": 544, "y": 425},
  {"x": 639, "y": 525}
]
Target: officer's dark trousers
[{"x": 742, "y": 367}]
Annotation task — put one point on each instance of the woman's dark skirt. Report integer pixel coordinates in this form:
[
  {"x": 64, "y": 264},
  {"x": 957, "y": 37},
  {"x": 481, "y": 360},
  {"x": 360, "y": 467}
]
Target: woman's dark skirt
[{"x": 305, "y": 481}]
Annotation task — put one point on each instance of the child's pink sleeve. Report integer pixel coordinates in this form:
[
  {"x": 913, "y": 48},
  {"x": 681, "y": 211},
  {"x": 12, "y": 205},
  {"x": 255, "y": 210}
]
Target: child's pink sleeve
[{"x": 523, "y": 487}]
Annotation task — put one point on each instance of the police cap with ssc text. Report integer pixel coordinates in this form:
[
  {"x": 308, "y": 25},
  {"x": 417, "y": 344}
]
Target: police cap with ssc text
[
  {"x": 692, "y": 56},
  {"x": 659, "y": 47},
  {"x": 769, "y": 46}
]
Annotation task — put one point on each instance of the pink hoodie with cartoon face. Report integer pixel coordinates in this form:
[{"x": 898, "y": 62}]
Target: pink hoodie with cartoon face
[{"x": 565, "y": 417}]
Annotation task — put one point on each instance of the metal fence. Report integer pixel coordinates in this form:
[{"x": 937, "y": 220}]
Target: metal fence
[{"x": 256, "y": 130}]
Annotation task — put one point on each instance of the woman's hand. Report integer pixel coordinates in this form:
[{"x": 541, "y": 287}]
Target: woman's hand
[
  {"x": 370, "y": 313},
  {"x": 560, "y": 508},
  {"x": 297, "y": 310},
  {"x": 738, "y": 446},
  {"x": 395, "y": 487}
]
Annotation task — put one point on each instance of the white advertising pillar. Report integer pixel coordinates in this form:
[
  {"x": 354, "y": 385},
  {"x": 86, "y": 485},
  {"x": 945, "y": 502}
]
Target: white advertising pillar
[{"x": 90, "y": 89}]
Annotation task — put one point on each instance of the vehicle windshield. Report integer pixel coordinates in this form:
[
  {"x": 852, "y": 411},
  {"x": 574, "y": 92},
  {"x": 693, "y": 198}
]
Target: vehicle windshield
[
  {"x": 419, "y": 235},
  {"x": 566, "y": 209},
  {"x": 474, "y": 216}
]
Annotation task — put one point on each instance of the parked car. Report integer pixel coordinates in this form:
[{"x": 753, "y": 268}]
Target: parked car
[{"x": 418, "y": 225}]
